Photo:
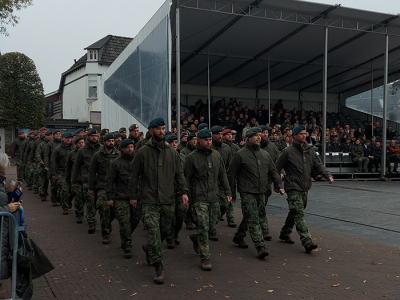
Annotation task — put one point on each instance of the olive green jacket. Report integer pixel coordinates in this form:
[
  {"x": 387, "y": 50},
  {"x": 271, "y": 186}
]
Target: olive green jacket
[
  {"x": 225, "y": 152},
  {"x": 298, "y": 163},
  {"x": 69, "y": 165},
  {"x": 117, "y": 178},
  {"x": 28, "y": 150},
  {"x": 98, "y": 168},
  {"x": 234, "y": 148},
  {"x": 271, "y": 148},
  {"x": 49, "y": 151},
  {"x": 23, "y": 148},
  {"x": 187, "y": 150},
  {"x": 59, "y": 158},
  {"x": 32, "y": 152},
  {"x": 40, "y": 151},
  {"x": 357, "y": 151},
  {"x": 250, "y": 168},
  {"x": 205, "y": 173},
  {"x": 82, "y": 162},
  {"x": 16, "y": 146},
  {"x": 158, "y": 169}
]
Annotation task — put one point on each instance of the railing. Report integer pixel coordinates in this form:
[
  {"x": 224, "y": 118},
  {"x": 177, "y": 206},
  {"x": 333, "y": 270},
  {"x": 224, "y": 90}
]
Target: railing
[{"x": 16, "y": 229}]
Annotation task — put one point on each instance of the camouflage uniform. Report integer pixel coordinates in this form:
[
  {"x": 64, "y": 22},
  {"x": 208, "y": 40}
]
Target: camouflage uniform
[
  {"x": 297, "y": 204},
  {"x": 22, "y": 163},
  {"x": 205, "y": 175},
  {"x": 41, "y": 172},
  {"x": 36, "y": 179},
  {"x": 28, "y": 160},
  {"x": 16, "y": 154},
  {"x": 76, "y": 191},
  {"x": 189, "y": 213},
  {"x": 117, "y": 189},
  {"x": 158, "y": 167},
  {"x": 47, "y": 158},
  {"x": 97, "y": 182}
]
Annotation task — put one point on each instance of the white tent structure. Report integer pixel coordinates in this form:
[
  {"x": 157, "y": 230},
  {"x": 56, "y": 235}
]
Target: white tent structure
[{"x": 253, "y": 48}]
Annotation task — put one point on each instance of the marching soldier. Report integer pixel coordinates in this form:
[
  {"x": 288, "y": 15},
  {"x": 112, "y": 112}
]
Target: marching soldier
[
  {"x": 47, "y": 159},
  {"x": 16, "y": 154},
  {"x": 58, "y": 163},
  {"x": 28, "y": 159},
  {"x": 77, "y": 190},
  {"x": 134, "y": 133},
  {"x": 226, "y": 153},
  {"x": 117, "y": 189},
  {"x": 250, "y": 169},
  {"x": 122, "y": 132},
  {"x": 205, "y": 175},
  {"x": 298, "y": 160},
  {"x": 273, "y": 152},
  {"x": 97, "y": 183},
  {"x": 158, "y": 168},
  {"x": 81, "y": 170},
  {"x": 41, "y": 170},
  {"x": 22, "y": 150}
]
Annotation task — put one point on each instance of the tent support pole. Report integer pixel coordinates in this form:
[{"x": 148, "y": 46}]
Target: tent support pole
[
  {"x": 385, "y": 99},
  {"x": 372, "y": 98},
  {"x": 178, "y": 73},
  {"x": 269, "y": 93},
  {"x": 208, "y": 87},
  {"x": 325, "y": 95}
]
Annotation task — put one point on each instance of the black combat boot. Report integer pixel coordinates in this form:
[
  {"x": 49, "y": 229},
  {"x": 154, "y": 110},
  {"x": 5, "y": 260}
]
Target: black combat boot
[
  {"x": 310, "y": 247},
  {"x": 262, "y": 252},
  {"x": 206, "y": 265},
  {"x": 240, "y": 242},
  {"x": 159, "y": 278},
  {"x": 266, "y": 236},
  {"x": 286, "y": 238}
]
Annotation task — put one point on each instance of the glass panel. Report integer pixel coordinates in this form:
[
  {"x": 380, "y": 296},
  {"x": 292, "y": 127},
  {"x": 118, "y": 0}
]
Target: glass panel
[{"x": 141, "y": 84}]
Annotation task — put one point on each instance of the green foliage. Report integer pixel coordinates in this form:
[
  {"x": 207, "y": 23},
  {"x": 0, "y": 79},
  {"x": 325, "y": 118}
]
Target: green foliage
[
  {"x": 7, "y": 16},
  {"x": 21, "y": 92}
]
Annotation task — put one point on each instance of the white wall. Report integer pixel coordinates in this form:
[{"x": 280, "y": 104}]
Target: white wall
[{"x": 75, "y": 94}]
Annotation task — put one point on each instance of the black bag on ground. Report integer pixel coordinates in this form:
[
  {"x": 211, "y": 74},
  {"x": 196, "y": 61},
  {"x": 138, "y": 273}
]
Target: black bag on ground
[
  {"x": 25, "y": 250},
  {"x": 40, "y": 263}
]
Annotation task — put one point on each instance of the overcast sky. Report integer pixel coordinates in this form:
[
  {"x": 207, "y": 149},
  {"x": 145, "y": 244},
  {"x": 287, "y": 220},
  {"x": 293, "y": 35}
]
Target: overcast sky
[{"x": 53, "y": 33}]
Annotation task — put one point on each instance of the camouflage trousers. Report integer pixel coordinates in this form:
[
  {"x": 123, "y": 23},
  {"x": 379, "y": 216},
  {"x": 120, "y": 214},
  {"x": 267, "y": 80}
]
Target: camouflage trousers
[
  {"x": 263, "y": 215},
  {"x": 29, "y": 174},
  {"x": 53, "y": 190},
  {"x": 177, "y": 220},
  {"x": 37, "y": 177},
  {"x": 20, "y": 168},
  {"x": 206, "y": 214},
  {"x": 226, "y": 207},
  {"x": 63, "y": 191},
  {"x": 128, "y": 218},
  {"x": 297, "y": 204},
  {"x": 90, "y": 202},
  {"x": 362, "y": 163},
  {"x": 106, "y": 212},
  {"x": 157, "y": 221},
  {"x": 44, "y": 182},
  {"x": 79, "y": 201},
  {"x": 189, "y": 214},
  {"x": 252, "y": 205}
]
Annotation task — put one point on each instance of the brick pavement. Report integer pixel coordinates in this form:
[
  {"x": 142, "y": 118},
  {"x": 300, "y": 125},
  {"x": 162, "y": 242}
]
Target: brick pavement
[{"x": 87, "y": 269}]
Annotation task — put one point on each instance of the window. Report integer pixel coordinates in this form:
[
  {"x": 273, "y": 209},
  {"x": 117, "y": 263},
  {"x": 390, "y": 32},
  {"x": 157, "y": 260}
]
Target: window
[
  {"x": 92, "y": 54},
  {"x": 92, "y": 84}
]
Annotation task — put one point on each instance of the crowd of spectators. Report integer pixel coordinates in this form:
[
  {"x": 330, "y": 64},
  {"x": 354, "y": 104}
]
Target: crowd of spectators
[{"x": 340, "y": 137}]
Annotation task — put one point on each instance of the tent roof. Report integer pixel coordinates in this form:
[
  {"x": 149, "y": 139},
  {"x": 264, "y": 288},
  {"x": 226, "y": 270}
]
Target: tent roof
[{"x": 240, "y": 34}]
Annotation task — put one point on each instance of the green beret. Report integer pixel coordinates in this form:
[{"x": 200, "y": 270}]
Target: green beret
[
  {"x": 104, "y": 131},
  {"x": 190, "y": 136},
  {"x": 263, "y": 127},
  {"x": 133, "y": 126},
  {"x": 117, "y": 135},
  {"x": 184, "y": 134},
  {"x": 122, "y": 129},
  {"x": 156, "y": 122},
  {"x": 48, "y": 133},
  {"x": 79, "y": 130},
  {"x": 216, "y": 129},
  {"x": 202, "y": 126},
  {"x": 92, "y": 131},
  {"x": 298, "y": 128},
  {"x": 204, "y": 134},
  {"x": 67, "y": 135},
  {"x": 108, "y": 136},
  {"x": 125, "y": 143},
  {"x": 167, "y": 133},
  {"x": 78, "y": 139},
  {"x": 171, "y": 138},
  {"x": 55, "y": 131},
  {"x": 253, "y": 131}
]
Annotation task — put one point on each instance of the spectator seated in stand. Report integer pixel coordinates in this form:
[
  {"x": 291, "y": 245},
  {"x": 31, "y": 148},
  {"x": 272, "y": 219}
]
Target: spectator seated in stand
[
  {"x": 368, "y": 153},
  {"x": 377, "y": 154},
  {"x": 347, "y": 145},
  {"x": 357, "y": 153},
  {"x": 393, "y": 154}
]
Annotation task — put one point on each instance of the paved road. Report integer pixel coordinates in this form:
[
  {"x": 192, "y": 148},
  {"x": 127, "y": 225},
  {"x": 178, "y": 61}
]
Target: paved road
[{"x": 353, "y": 261}]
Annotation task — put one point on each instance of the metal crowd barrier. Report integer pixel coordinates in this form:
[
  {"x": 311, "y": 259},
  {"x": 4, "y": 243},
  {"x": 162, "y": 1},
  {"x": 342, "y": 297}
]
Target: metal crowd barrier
[{"x": 16, "y": 229}]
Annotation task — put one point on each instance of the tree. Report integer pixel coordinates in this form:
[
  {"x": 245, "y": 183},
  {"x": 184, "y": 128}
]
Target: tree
[
  {"x": 21, "y": 92},
  {"x": 7, "y": 16}
]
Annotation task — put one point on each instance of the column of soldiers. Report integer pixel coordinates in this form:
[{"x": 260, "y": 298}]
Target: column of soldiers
[{"x": 164, "y": 184}]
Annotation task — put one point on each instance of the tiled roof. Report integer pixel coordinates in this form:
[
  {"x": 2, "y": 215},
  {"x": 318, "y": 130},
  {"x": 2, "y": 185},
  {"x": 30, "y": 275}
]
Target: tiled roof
[{"x": 112, "y": 46}]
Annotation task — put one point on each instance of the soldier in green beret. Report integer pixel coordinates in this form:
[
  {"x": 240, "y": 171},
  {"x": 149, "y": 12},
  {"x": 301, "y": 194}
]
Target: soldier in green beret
[
  {"x": 42, "y": 173},
  {"x": 47, "y": 158}
]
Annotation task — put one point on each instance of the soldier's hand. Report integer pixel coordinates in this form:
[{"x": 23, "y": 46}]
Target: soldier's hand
[
  {"x": 282, "y": 191},
  {"x": 91, "y": 192},
  {"x": 282, "y": 176},
  {"x": 46, "y": 169},
  {"x": 276, "y": 190},
  {"x": 54, "y": 177},
  {"x": 42, "y": 163},
  {"x": 133, "y": 203},
  {"x": 110, "y": 203},
  {"x": 229, "y": 198},
  {"x": 331, "y": 180}
]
